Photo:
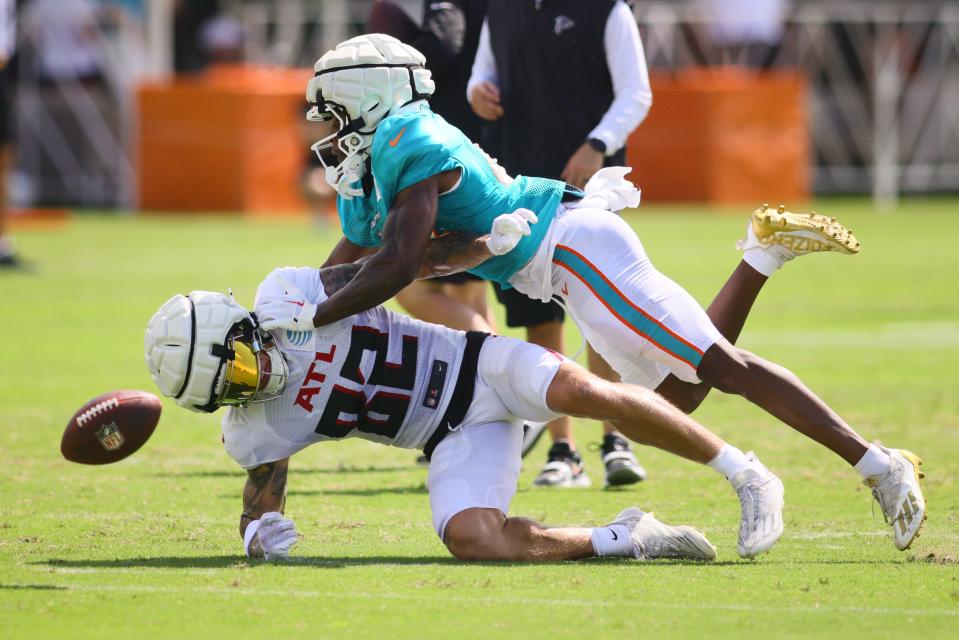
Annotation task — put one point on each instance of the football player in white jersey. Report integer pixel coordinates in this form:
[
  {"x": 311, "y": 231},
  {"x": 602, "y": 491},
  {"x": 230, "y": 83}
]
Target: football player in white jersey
[{"x": 456, "y": 395}]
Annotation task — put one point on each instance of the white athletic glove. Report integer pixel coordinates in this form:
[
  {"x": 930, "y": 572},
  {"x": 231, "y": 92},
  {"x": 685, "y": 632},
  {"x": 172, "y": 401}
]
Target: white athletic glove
[
  {"x": 508, "y": 229},
  {"x": 275, "y": 533},
  {"x": 609, "y": 189},
  {"x": 290, "y": 311}
]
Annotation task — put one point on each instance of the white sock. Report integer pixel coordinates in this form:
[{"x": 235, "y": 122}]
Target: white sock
[
  {"x": 729, "y": 461},
  {"x": 764, "y": 259},
  {"x": 612, "y": 540},
  {"x": 874, "y": 463}
]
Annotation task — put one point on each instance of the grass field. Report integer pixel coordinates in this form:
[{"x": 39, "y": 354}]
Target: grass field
[{"x": 148, "y": 548}]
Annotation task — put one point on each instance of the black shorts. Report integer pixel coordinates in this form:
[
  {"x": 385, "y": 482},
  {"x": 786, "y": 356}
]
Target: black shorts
[
  {"x": 456, "y": 278},
  {"x": 6, "y": 108},
  {"x": 523, "y": 311}
]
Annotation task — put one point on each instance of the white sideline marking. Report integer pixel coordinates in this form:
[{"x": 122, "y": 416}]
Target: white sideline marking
[
  {"x": 820, "y": 535},
  {"x": 551, "y": 602},
  {"x": 52, "y": 568}
]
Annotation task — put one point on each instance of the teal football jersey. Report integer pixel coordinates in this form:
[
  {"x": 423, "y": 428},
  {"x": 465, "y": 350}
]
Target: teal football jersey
[{"x": 411, "y": 146}]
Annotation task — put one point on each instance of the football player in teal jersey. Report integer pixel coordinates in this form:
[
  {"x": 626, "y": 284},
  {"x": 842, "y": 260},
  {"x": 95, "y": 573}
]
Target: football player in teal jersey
[{"x": 404, "y": 175}]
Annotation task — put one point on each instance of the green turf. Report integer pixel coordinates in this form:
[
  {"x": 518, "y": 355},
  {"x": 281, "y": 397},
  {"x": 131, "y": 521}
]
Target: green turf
[{"x": 148, "y": 547}]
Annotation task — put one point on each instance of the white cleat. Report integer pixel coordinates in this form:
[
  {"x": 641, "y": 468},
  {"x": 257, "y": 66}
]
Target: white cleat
[
  {"x": 654, "y": 539},
  {"x": 761, "y": 504},
  {"x": 900, "y": 497}
]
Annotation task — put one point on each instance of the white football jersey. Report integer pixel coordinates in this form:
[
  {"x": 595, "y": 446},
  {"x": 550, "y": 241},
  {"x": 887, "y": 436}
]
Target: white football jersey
[{"x": 377, "y": 375}]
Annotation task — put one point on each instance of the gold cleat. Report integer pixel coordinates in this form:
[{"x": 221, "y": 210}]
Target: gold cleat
[{"x": 802, "y": 232}]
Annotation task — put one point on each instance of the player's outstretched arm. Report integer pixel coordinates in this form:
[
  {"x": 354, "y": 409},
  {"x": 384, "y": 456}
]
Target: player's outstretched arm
[
  {"x": 265, "y": 532},
  {"x": 346, "y": 252},
  {"x": 454, "y": 252},
  {"x": 406, "y": 235},
  {"x": 450, "y": 253}
]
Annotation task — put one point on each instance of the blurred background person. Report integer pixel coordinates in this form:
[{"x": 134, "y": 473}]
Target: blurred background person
[
  {"x": 221, "y": 40},
  {"x": 565, "y": 82},
  {"x": 746, "y": 33},
  {"x": 65, "y": 62},
  {"x": 190, "y": 17},
  {"x": 8, "y": 40}
]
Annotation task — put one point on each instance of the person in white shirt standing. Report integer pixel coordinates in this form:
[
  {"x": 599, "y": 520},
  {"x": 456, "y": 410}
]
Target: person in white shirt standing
[
  {"x": 8, "y": 40},
  {"x": 566, "y": 83}
]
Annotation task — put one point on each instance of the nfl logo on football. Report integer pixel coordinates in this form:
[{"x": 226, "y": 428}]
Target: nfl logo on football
[{"x": 110, "y": 437}]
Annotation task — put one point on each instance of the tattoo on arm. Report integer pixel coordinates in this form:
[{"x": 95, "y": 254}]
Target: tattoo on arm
[
  {"x": 335, "y": 278},
  {"x": 453, "y": 252},
  {"x": 265, "y": 491},
  {"x": 450, "y": 253}
]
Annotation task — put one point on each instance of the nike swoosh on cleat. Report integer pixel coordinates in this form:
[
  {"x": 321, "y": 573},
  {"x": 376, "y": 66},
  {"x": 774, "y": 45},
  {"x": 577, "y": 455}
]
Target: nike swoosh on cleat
[
  {"x": 299, "y": 304},
  {"x": 615, "y": 537},
  {"x": 399, "y": 135}
]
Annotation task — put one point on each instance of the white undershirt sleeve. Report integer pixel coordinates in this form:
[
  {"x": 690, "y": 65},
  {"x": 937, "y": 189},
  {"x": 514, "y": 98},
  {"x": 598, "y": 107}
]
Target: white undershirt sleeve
[
  {"x": 484, "y": 64},
  {"x": 627, "y": 67}
]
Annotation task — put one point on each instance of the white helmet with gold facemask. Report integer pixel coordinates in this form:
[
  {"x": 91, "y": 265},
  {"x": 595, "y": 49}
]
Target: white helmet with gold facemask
[
  {"x": 357, "y": 84},
  {"x": 205, "y": 350}
]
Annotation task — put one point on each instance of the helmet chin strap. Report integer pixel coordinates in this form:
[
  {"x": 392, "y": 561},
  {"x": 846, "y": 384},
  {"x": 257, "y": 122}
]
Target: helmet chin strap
[{"x": 342, "y": 176}]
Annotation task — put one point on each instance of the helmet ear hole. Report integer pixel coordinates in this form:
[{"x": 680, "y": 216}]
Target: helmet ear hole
[
  {"x": 369, "y": 104},
  {"x": 371, "y": 109}
]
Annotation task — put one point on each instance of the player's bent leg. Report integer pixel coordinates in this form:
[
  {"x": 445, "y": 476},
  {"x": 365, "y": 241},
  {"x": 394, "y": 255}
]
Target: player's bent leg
[
  {"x": 640, "y": 414},
  {"x": 619, "y": 460},
  {"x": 646, "y": 417},
  {"x": 892, "y": 475},
  {"x": 472, "y": 294},
  {"x": 772, "y": 239},
  {"x": 782, "y": 394},
  {"x": 486, "y": 534},
  {"x": 685, "y": 396},
  {"x": 728, "y": 312},
  {"x": 428, "y": 301},
  {"x": 474, "y": 467}
]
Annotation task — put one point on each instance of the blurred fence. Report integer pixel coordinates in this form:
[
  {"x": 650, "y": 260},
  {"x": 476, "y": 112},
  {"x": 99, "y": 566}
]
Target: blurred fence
[
  {"x": 73, "y": 107},
  {"x": 883, "y": 77}
]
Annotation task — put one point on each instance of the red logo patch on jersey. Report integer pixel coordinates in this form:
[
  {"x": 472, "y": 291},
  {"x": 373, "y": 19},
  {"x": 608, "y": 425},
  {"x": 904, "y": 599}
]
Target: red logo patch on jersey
[{"x": 304, "y": 397}]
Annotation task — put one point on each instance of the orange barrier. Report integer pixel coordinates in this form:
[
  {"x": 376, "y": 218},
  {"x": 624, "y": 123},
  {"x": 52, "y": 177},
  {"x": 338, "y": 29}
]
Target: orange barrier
[
  {"x": 230, "y": 140},
  {"x": 724, "y": 136},
  {"x": 31, "y": 219}
]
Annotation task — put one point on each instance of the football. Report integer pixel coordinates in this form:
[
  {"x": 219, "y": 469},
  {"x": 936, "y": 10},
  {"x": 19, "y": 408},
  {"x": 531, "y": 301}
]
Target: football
[{"x": 110, "y": 427}]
